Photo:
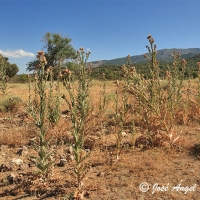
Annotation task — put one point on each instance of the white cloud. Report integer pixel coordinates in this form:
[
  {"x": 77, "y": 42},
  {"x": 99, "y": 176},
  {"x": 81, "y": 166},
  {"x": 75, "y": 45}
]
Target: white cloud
[{"x": 16, "y": 54}]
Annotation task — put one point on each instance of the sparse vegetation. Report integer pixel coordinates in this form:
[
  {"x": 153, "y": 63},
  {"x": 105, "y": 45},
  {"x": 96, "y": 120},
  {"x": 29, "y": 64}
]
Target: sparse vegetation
[
  {"x": 40, "y": 109},
  {"x": 93, "y": 137}
]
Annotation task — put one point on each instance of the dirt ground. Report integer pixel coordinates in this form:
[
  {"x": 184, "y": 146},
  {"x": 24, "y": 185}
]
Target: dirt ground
[{"x": 156, "y": 173}]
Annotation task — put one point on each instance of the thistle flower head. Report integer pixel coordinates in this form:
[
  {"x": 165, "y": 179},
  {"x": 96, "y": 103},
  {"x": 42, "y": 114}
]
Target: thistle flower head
[
  {"x": 41, "y": 53},
  {"x": 37, "y": 66},
  {"x": 132, "y": 70},
  {"x": 66, "y": 72},
  {"x": 149, "y": 37},
  {"x": 41, "y": 57},
  {"x": 60, "y": 75},
  {"x": 123, "y": 67},
  {"x": 151, "y": 41}
]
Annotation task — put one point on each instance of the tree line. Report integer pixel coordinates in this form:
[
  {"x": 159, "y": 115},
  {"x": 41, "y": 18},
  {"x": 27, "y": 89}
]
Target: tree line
[{"x": 60, "y": 54}]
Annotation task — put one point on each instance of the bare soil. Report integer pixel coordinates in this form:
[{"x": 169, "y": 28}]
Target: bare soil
[{"x": 169, "y": 173}]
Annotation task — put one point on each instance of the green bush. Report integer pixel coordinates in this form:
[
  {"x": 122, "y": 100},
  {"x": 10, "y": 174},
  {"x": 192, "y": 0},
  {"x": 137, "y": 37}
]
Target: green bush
[
  {"x": 21, "y": 78},
  {"x": 9, "y": 104}
]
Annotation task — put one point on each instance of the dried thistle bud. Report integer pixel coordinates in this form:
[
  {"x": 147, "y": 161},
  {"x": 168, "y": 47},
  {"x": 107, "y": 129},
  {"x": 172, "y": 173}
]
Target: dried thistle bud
[
  {"x": 198, "y": 63},
  {"x": 123, "y": 67},
  {"x": 117, "y": 82},
  {"x": 66, "y": 72},
  {"x": 132, "y": 69},
  {"x": 51, "y": 68},
  {"x": 36, "y": 77},
  {"x": 37, "y": 66},
  {"x": 81, "y": 49},
  {"x": 167, "y": 73},
  {"x": 151, "y": 41},
  {"x": 41, "y": 53},
  {"x": 48, "y": 70},
  {"x": 149, "y": 37},
  {"x": 156, "y": 62},
  {"x": 184, "y": 62},
  {"x": 60, "y": 75}
]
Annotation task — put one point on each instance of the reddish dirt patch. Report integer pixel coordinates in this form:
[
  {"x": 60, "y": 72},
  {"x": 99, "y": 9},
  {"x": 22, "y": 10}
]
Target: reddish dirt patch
[{"x": 106, "y": 179}]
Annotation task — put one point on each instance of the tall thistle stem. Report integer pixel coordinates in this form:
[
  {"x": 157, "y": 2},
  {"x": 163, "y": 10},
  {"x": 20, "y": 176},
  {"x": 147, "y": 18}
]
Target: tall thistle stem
[{"x": 79, "y": 106}]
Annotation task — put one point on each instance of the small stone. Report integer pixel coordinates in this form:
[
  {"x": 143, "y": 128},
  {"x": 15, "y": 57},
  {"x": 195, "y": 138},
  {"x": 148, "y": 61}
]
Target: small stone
[
  {"x": 17, "y": 161},
  {"x": 5, "y": 168},
  {"x": 11, "y": 177},
  {"x": 101, "y": 174},
  {"x": 124, "y": 133},
  {"x": 23, "y": 166},
  {"x": 70, "y": 150},
  {"x": 62, "y": 162},
  {"x": 71, "y": 157},
  {"x": 87, "y": 150}
]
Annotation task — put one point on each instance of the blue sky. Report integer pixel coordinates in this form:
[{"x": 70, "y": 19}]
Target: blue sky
[{"x": 109, "y": 28}]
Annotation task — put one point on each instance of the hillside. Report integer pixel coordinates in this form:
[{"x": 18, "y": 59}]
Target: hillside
[
  {"x": 162, "y": 55},
  {"x": 112, "y": 71}
]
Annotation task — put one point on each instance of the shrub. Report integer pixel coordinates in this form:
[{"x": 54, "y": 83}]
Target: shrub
[
  {"x": 21, "y": 78},
  {"x": 158, "y": 108},
  {"x": 9, "y": 104}
]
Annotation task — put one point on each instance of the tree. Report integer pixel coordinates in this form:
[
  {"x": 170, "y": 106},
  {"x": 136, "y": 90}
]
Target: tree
[
  {"x": 58, "y": 51},
  {"x": 10, "y": 69}
]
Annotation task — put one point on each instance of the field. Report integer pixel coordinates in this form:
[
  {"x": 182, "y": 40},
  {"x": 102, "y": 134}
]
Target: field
[
  {"x": 78, "y": 138},
  {"x": 107, "y": 177}
]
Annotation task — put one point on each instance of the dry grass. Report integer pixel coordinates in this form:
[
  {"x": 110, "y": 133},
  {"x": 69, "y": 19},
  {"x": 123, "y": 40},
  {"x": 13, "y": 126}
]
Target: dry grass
[
  {"x": 105, "y": 175},
  {"x": 90, "y": 139}
]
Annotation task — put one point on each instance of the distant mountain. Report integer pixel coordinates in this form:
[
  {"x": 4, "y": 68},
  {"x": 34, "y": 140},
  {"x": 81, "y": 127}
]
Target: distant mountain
[{"x": 162, "y": 55}]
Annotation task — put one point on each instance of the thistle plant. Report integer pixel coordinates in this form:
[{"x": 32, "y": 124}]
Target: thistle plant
[
  {"x": 3, "y": 76},
  {"x": 196, "y": 94},
  {"x": 54, "y": 113},
  {"x": 39, "y": 111},
  {"x": 79, "y": 106},
  {"x": 198, "y": 85},
  {"x": 157, "y": 107},
  {"x": 102, "y": 102},
  {"x": 174, "y": 89},
  {"x": 119, "y": 122},
  {"x": 121, "y": 117}
]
